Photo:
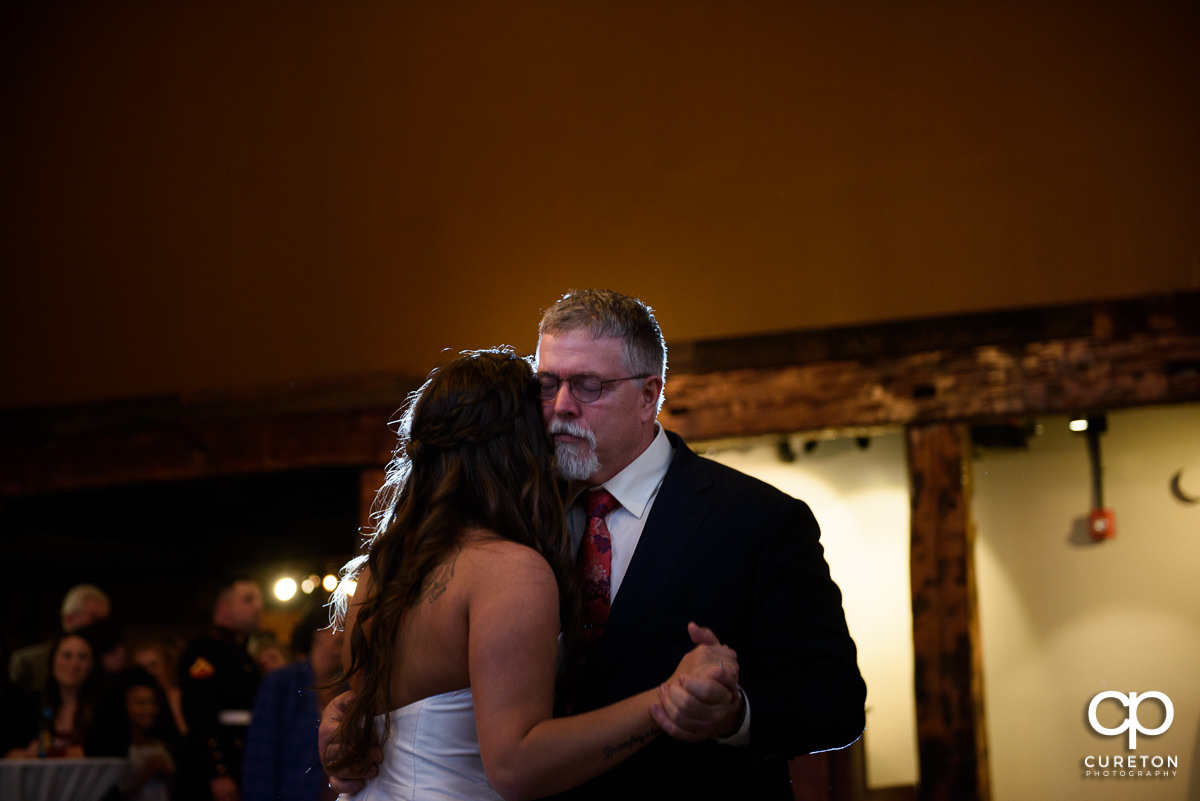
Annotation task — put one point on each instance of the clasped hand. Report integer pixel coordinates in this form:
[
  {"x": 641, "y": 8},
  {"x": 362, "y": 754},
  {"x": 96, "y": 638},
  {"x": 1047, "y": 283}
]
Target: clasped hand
[{"x": 702, "y": 699}]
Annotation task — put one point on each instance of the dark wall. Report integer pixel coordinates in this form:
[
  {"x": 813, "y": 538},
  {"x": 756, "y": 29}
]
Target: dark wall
[
  {"x": 159, "y": 550},
  {"x": 205, "y": 195}
]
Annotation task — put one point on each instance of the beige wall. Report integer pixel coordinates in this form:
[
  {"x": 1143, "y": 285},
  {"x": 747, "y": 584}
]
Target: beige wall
[
  {"x": 221, "y": 195},
  {"x": 1064, "y": 619},
  {"x": 1061, "y": 618}
]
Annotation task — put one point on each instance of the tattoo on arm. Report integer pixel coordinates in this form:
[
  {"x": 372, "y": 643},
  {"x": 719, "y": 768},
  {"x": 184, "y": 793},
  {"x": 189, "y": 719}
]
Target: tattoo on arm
[
  {"x": 436, "y": 585},
  {"x": 633, "y": 743}
]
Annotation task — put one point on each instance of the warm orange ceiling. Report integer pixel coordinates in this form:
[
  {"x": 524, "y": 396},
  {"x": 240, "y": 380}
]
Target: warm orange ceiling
[{"x": 200, "y": 196}]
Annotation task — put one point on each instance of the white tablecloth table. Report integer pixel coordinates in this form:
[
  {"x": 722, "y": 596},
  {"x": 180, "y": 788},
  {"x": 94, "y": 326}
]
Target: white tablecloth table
[{"x": 58, "y": 779}]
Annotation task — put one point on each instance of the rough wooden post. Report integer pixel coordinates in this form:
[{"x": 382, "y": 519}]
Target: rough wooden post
[{"x": 951, "y": 739}]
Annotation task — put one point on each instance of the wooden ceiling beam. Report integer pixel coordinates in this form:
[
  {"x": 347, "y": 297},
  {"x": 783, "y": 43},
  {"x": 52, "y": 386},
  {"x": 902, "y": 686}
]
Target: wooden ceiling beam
[
  {"x": 1056, "y": 360},
  {"x": 978, "y": 383},
  {"x": 191, "y": 448}
]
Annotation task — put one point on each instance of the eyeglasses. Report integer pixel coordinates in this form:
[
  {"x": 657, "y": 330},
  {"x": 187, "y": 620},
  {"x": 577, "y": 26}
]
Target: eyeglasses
[{"x": 585, "y": 388}]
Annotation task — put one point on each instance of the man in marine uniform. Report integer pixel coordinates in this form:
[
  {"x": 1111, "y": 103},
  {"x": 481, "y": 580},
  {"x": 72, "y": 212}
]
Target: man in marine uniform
[{"x": 218, "y": 680}]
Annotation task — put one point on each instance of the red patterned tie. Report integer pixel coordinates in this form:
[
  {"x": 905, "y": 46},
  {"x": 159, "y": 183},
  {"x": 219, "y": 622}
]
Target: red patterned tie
[{"x": 595, "y": 563}]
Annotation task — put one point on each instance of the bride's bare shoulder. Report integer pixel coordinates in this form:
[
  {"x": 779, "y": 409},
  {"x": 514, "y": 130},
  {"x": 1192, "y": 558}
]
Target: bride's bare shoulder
[
  {"x": 502, "y": 558},
  {"x": 507, "y": 582}
]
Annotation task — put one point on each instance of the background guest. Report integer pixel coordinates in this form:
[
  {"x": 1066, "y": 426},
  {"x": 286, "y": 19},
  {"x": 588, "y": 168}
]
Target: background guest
[
  {"x": 82, "y": 605},
  {"x": 18, "y": 714},
  {"x": 281, "y": 747},
  {"x": 160, "y": 663},
  {"x": 268, "y": 652},
  {"x": 68, "y": 701},
  {"x": 218, "y": 680},
  {"x": 108, "y": 648},
  {"x": 133, "y": 721}
]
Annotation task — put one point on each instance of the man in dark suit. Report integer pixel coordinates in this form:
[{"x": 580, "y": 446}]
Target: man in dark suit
[
  {"x": 687, "y": 540},
  {"x": 692, "y": 540}
]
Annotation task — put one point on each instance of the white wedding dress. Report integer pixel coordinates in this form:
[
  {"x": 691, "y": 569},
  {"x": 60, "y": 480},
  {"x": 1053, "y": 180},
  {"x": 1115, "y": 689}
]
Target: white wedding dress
[{"x": 432, "y": 754}]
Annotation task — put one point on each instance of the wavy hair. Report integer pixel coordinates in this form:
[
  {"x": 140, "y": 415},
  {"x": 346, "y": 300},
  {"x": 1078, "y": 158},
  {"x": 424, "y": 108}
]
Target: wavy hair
[
  {"x": 473, "y": 451},
  {"x": 88, "y": 693}
]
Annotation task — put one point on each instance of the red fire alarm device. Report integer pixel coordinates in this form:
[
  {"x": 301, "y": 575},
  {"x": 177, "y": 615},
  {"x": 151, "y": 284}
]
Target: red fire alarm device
[
  {"x": 1102, "y": 521},
  {"x": 1102, "y": 524}
]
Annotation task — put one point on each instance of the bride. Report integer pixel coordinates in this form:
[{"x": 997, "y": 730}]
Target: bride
[{"x": 453, "y": 651}]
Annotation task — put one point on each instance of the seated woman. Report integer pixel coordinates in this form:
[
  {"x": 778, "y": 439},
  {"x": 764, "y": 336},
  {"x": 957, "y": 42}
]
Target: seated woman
[
  {"x": 454, "y": 628},
  {"x": 68, "y": 701}
]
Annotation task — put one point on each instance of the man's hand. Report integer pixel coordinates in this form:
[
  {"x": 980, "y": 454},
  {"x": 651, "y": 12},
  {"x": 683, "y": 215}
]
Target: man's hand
[
  {"x": 329, "y": 747},
  {"x": 702, "y": 699}
]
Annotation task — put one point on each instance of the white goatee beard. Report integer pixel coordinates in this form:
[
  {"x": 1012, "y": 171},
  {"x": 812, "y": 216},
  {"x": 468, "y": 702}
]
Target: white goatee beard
[{"x": 575, "y": 461}]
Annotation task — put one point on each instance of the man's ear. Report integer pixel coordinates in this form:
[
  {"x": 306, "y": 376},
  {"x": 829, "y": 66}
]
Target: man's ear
[{"x": 651, "y": 391}]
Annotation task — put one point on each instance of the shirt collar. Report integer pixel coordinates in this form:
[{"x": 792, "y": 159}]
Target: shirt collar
[{"x": 635, "y": 486}]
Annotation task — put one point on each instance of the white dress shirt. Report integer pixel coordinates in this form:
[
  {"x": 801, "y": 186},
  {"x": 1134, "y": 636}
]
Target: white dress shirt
[{"x": 635, "y": 488}]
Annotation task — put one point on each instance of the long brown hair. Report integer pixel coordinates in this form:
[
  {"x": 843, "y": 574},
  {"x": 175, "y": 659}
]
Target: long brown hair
[
  {"x": 87, "y": 693},
  {"x": 473, "y": 451}
]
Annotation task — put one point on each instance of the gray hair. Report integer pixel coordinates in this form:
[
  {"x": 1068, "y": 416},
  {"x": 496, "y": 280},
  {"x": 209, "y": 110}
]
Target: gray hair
[
  {"x": 80, "y": 594},
  {"x": 604, "y": 313}
]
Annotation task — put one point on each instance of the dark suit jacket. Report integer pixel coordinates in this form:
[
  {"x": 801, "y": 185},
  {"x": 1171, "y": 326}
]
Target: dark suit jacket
[
  {"x": 30, "y": 667},
  {"x": 742, "y": 558}
]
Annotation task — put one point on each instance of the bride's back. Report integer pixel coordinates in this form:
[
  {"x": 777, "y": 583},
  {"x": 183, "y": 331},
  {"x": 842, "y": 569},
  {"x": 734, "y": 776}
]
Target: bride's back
[
  {"x": 470, "y": 520},
  {"x": 484, "y": 575},
  {"x": 434, "y": 738}
]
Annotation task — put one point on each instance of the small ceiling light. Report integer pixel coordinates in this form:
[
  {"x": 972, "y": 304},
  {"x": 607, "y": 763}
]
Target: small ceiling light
[
  {"x": 308, "y": 585},
  {"x": 330, "y": 583},
  {"x": 285, "y": 588},
  {"x": 1078, "y": 424}
]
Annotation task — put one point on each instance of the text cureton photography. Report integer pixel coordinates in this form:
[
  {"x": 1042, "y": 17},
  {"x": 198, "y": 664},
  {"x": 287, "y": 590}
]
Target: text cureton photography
[{"x": 1130, "y": 766}]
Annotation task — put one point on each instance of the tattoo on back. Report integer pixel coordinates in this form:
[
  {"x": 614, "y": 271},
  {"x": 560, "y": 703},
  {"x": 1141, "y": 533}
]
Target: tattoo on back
[{"x": 436, "y": 585}]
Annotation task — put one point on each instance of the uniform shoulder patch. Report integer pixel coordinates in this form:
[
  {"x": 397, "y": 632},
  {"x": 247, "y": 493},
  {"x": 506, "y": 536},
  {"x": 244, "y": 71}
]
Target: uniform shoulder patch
[{"x": 201, "y": 669}]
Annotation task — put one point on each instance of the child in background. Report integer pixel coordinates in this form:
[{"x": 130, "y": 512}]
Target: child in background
[
  {"x": 135, "y": 723},
  {"x": 150, "y": 764},
  {"x": 160, "y": 661}
]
